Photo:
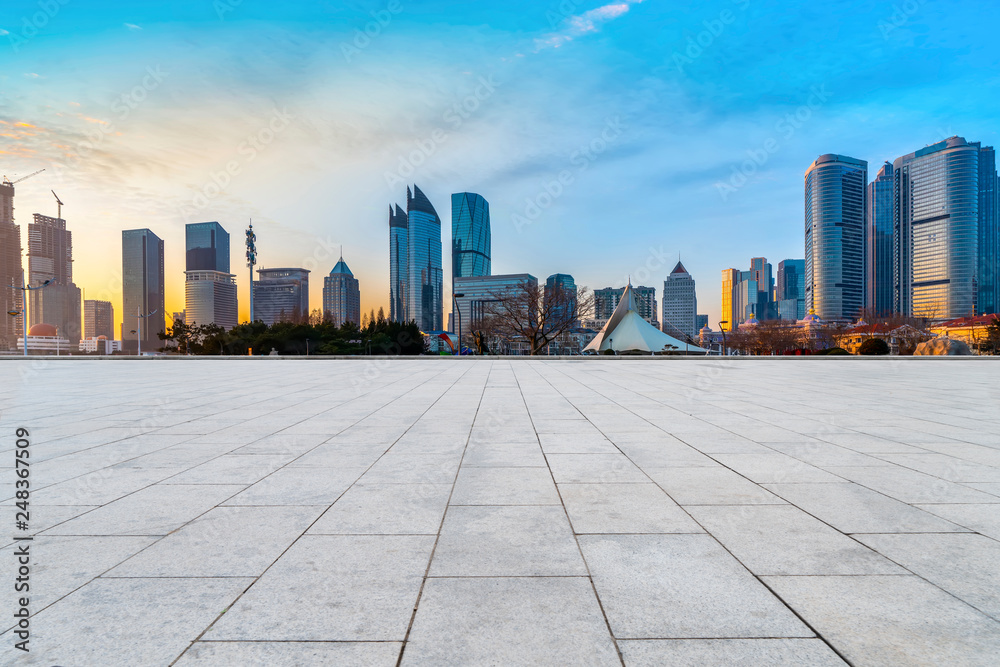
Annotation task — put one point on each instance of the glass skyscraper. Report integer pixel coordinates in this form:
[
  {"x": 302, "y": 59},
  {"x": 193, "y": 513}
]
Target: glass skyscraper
[
  {"x": 424, "y": 277},
  {"x": 878, "y": 243},
  {"x": 209, "y": 288},
  {"x": 142, "y": 289},
  {"x": 937, "y": 230},
  {"x": 470, "y": 235},
  {"x": 835, "y": 196},
  {"x": 566, "y": 282},
  {"x": 207, "y": 247},
  {"x": 398, "y": 266},
  {"x": 790, "y": 291},
  {"x": 989, "y": 233},
  {"x": 341, "y": 295}
]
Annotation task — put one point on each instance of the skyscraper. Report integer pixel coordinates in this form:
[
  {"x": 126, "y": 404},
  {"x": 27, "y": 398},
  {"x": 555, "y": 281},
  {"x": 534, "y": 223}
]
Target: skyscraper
[
  {"x": 761, "y": 272},
  {"x": 281, "y": 295},
  {"x": 790, "y": 291},
  {"x": 425, "y": 277},
  {"x": 142, "y": 289},
  {"x": 98, "y": 319},
  {"x": 50, "y": 257},
  {"x": 680, "y": 304},
  {"x": 731, "y": 317},
  {"x": 341, "y": 295},
  {"x": 209, "y": 288},
  {"x": 747, "y": 294},
  {"x": 989, "y": 233},
  {"x": 398, "y": 264},
  {"x": 10, "y": 268},
  {"x": 835, "y": 195},
  {"x": 938, "y": 265},
  {"x": 565, "y": 282},
  {"x": 878, "y": 242},
  {"x": 470, "y": 235}
]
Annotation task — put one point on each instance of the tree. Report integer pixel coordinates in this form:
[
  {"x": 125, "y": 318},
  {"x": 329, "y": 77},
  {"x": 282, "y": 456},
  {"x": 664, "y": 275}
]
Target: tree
[
  {"x": 534, "y": 314},
  {"x": 873, "y": 346},
  {"x": 991, "y": 344}
]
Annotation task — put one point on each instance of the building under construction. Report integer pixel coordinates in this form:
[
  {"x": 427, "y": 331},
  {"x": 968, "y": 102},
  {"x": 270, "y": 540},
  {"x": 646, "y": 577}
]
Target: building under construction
[{"x": 10, "y": 268}]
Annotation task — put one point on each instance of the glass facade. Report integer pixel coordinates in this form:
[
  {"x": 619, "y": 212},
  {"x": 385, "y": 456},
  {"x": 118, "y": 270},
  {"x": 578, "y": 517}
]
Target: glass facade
[
  {"x": 477, "y": 291},
  {"x": 937, "y": 226},
  {"x": 207, "y": 247},
  {"x": 398, "y": 265},
  {"x": 988, "y": 301},
  {"x": 790, "y": 291},
  {"x": 470, "y": 235},
  {"x": 425, "y": 277},
  {"x": 730, "y": 280},
  {"x": 281, "y": 295},
  {"x": 835, "y": 206},
  {"x": 142, "y": 288},
  {"x": 342, "y": 295},
  {"x": 879, "y": 243},
  {"x": 566, "y": 282}
]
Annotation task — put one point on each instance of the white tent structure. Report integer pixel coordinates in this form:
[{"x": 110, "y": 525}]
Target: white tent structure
[{"x": 627, "y": 330}]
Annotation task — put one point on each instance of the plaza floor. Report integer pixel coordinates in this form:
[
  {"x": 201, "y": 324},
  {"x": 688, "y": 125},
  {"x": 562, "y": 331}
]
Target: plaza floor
[{"x": 506, "y": 512}]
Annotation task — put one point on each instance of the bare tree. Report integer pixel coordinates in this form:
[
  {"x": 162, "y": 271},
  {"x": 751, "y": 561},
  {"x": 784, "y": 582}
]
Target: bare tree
[{"x": 534, "y": 314}]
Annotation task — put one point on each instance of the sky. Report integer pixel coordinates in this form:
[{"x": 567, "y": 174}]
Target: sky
[{"x": 610, "y": 138}]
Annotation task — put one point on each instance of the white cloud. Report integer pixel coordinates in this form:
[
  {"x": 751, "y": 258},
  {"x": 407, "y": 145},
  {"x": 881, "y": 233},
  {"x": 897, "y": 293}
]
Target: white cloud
[
  {"x": 32, "y": 75},
  {"x": 3, "y": 32},
  {"x": 132, "y": 26},
  {"x": 582, "y": 24}
]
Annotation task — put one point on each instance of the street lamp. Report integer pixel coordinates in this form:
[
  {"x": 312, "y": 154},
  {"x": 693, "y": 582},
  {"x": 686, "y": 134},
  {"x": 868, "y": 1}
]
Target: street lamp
[
  {"x": 24, "y": 305},
  {"x": 458, "y": 311},
  {"x": 723, "y": 330},
  {"x": 139, "y": 317}
]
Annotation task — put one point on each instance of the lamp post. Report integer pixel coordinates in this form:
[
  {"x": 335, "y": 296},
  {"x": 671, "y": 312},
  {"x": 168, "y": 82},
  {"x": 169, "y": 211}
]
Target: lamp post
[
  {"x": 139, "y": 317},
  {"x": 251, "y": 261},
  {"x": 723, "y": 330},
  {"x": 458, "y": 311},
  {"x": 24, "y": 306}
]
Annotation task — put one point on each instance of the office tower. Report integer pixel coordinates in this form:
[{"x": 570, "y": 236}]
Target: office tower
[
  {"x": 835, "y": 205},
  {"x": 10, "y": 269},
  {"x": 398, "y": 265},
  {"x": 424, "y": 276},
  {"x": 606, "y": 300},
  {"x": 209, "y": 288},
  {"x": 281, "y": 295},
  {"x": 790, "y": 291},
  {"x": 142, "y": 290},
  {"x": 478, "y": 291},
  {"x": 565, "y": 282},
  {"x": 879, "y": 220},
  {"x": 470, "y": 235},
  {"x": 50, "y": 257},
  {"x": 939, "y": 268},
  {"x": 730, "y": 315},
  {"x": 98, "y": 319},
  {"x": 680, "y": 304},
  {"x": 701, "y": 322},
  {"x": 989, "y": 233},
  {"x": 761, "y": 272},
  {"x": 341, "y": 295}
]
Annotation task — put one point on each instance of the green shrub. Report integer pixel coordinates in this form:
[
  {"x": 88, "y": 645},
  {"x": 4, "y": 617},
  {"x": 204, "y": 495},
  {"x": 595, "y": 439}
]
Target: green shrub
[{"x": 874, "y": 346}]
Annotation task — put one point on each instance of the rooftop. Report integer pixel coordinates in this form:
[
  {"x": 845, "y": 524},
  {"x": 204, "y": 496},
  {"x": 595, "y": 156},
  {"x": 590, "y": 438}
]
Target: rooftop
[{"x": 466, "y": 511}]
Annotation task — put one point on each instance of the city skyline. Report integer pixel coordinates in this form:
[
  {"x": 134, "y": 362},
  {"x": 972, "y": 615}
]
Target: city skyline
[{"x": 728, "y": 163}]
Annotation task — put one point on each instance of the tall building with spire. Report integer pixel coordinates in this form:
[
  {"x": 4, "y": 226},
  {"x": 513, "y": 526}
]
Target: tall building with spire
[
  {"x": 50, "y": 257},
  {"x": 416, "y": 292},
  {"x": 680, "y": 304},
  {"x": 341, "y": 295},
  {"x": 10, "y": 268}
]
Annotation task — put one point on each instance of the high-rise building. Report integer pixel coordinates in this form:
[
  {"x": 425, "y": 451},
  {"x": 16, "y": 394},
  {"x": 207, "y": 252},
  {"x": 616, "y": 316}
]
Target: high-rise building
[
  {"x": 606, "y": 300},
  {"x": 470, "y": 235},
  {"x": 565, "y": 282},
  {"x": 680, "y": 304},
  {"x": 880, "y": 218},
  {"x": 10, "y": 269},
  {"x": 142, "y": 290},
  {"x": 425, "y": 277},
  {"x": 731, "y": 316},
  {"x": 701, "y": 322},
  {"x": 398, "y": 264},
  {"x": 209, "y": 288},
  {"x": 478, "y": 291},
  {"x": 341, "y": 295},
  {"x": 761, "y": 273},
  {"x": 790, "y": 291},
  {"x": 98, "y": 319},
  {"x": 50, "y": 257},
  {"x": 835, "y": 206},
  {"x": 944, "y": 261},
  {"x": 748, "y": 294},
  {"x": 281, "y": 295}
]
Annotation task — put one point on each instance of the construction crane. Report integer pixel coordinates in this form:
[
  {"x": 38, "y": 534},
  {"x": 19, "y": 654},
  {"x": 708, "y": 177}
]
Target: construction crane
[
  {"x": 7, "y": 181},
  {"x": 60, "y": 204}
]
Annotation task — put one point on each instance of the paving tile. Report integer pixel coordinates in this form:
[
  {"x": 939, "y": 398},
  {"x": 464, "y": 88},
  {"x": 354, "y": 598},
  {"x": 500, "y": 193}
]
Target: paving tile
[
  {"x": 774, "y": 468},
  {"x": 294, "y": 486},
  {"x": 594, "y": 469},
  {"x": 292, "y": 654},
  {"x": 507, "y": 541},
  {"x": 681, "y": 586},
  {"x": 413, "y": 469},
  {"x": 965, "y": 565},
  {"x": 356, "y": 588},
  {"x": 504, "y": 454},
  {"x": 728, "y": 653},
  {"x": 624, "y": 508},
  {"x": 892, "y": 620},
  {"x": 855, "y": 509},
  {"x": 824, "y": 454},
  {"x": 223, "y": 542},
  {"x": 911, "y": 486},
  {"x": 572, "y": 443},
  {"x": 100, "y": 487},
  {"x": 781, "y": 539},
  {"x": 509, "y": 621},
  {"x": 711, "y": 486},
  {"x": 946, "y": 467},
  {"x": 126, "y": 621},
  {"x": 231, "y": 469},
  {"x": 340, "y": 455},
  {"x": 386, "y": 509},
  {"x": 504, "y": 486}
]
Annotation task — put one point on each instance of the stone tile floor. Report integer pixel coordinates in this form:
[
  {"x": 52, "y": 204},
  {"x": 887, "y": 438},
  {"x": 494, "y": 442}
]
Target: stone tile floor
[{"x": 507, "y": 512}]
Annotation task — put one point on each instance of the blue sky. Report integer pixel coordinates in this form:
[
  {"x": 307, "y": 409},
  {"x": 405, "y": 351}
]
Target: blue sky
[{"x": 668, "y": 123}]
